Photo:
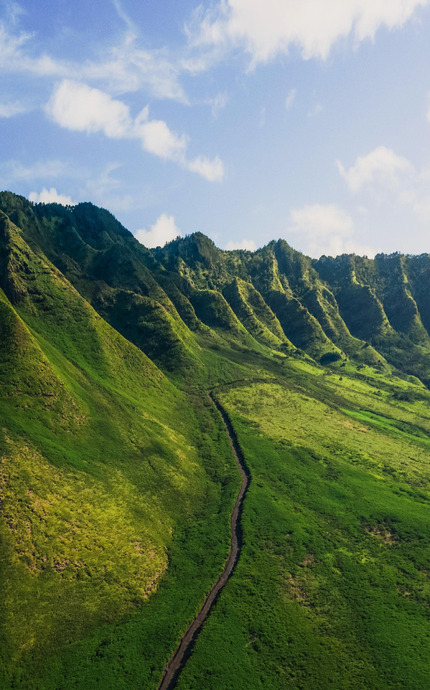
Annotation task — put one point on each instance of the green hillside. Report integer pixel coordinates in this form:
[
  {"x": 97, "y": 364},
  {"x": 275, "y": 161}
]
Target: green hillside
[
  {"x": 105, "y": 470},
  {"x": 117, "y": 479},
  {"x": 332, "y": 589}
]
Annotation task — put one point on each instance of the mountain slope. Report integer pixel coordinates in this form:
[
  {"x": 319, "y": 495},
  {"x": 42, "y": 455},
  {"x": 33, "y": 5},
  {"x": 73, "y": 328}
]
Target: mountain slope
[
  {"x": 101, "y": 471},
  {"x": 376, "y": 300},
  {"x": 117, "y": 480},
  {"x": 165, "y": 300}
]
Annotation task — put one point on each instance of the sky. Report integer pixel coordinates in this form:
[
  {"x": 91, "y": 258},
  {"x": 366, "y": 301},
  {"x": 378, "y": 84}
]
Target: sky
[{"x": 247, "y": 120}]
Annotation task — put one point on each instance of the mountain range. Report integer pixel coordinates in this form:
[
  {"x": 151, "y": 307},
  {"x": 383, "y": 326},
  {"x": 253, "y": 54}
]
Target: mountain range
[{"x": 116, "y": 476}]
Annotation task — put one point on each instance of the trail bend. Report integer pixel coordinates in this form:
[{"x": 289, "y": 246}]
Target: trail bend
[{"x": 179, "y": 657}]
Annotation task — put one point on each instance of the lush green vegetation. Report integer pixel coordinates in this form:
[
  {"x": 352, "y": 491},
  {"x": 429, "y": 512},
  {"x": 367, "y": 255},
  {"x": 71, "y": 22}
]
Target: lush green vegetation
[
  {"x": 117, "y": 480},
  {"x": 107, "y": 472},
  {"x": 332, "y": 589}
]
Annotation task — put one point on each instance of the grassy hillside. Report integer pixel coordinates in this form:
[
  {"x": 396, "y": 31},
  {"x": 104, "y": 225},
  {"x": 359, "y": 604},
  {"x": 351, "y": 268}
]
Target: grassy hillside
[
  {"x": 332, "y": 589},
  {"x": 105, "y": 469},
  {"x": 117, "y": 479}
]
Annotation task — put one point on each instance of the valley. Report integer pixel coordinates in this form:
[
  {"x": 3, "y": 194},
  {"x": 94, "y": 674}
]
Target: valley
[{"x": 121, "y": 499}]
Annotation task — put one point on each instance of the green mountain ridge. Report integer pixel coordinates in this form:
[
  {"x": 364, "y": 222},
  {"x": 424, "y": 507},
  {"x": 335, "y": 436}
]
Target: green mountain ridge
[
  {"x": 117, "y": 480},
  {"x": 321, "y": 307}
]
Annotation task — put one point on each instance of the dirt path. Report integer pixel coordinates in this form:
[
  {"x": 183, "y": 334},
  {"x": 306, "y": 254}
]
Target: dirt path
[{"x": 179, "y": 657}]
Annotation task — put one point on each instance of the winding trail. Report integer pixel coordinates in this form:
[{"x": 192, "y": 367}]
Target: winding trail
[{"x": 179, "y": 657}]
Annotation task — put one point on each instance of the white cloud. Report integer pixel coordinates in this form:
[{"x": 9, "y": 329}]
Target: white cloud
[
  {"x": 50, "y": 196},
  {"x": 10, "y": 47},
  {"x": 392, "y": 189},
  {"x": 164, "y": 230},
  {"x": 122, "y": 67},
  {"x": 393, "y": 192},
  {"x": 380, "y": 166},
  {"x": 158, "y": 139},
  {"x": 128, "y": 67},
  {"x": 325, "y": 229},
  {"x": 291, "y": 97},
  {"x": 242, "y": 244},
  {"x": 266, "y": 28},
  {"x": 212, "y": 170},
  {"x": 80, "y": 108},
  {"x": 11, "y": 109},
  {"x": 218, "y": 103}
]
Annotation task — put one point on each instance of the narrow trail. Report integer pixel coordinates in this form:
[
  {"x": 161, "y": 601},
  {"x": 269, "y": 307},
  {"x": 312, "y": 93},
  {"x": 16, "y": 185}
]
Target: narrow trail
[{"x": 179, "y": 657}]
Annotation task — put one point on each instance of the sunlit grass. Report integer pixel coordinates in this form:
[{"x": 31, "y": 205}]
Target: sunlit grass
[{"x": 333, "y": 587}]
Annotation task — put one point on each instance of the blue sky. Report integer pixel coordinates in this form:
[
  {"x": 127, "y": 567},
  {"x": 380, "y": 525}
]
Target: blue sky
[{"x": 247, "y": 120}]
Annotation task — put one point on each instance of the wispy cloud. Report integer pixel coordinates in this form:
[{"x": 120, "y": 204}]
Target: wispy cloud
[
  {"x": 78, "y": 107},
  {"x": 325, "y": 229},
  {"x": 218, "y": 103},
  {"x": 262, "y": 28},
  {"x": 12, "y": 109},
  {"x": 291, "y": 97},
  {"x": 124, "y": 66},
  {"x": 316, "y": 109},
  {"x": 14, "y": 171},
  {"x": 392, "y": 183},
  {"x": 103, "y": 187},
  {"x": 380, "y": 166},
  {"x": 267, "y": 28},
  {"x": 106, "y": 190},
  {"x": 122, "y": 14}
]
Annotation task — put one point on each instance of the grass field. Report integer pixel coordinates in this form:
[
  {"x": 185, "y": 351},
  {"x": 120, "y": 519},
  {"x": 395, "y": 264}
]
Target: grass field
[{"x": 332, "y": 589}]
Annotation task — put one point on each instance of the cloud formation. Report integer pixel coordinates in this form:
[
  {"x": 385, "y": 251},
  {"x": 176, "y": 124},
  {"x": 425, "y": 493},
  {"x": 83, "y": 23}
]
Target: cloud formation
[
  {"x": 164, "y": 230},
  {"x": 218, "y": 103},
  {"x": 13, "y": 170},
  {"x": 267, "y": 28},
  {"x": 158, "y": 139},
  {"x": 50, "y": 196},
  {"x": 381, "y": 166},
  {"x": 122, "y": 67},
  {"x": 390, "y": 184},
  {"x": 325, "y": 229},
  {"x": 11, "y": 109},
  {"x": 81, "y": 108},
  {"x": 212, "y": 170},
  {"x": 242, "y": 244}
]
